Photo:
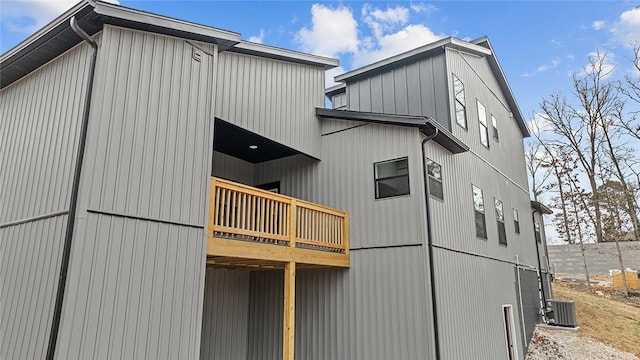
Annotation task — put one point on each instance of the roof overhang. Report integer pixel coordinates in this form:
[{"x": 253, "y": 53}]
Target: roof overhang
[
  {"x": 425, "y": 124},
  {"x": 57, "y": 37},
  {"x": 335, "y": 90},
  {"x": 276, "y": 53},
  {"x": 541, "y": 208},
  {"x": 412, "y": 55}
]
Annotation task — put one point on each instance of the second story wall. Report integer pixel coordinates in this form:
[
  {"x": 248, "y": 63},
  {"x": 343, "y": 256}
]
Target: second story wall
[
  {"x": 480, "y": 84},
  {"x": 417, "y": 88},
  {"x": 273, "y": 98}
]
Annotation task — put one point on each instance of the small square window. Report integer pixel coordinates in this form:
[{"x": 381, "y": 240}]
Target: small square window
[
  {"x": 391, "y": 178},
  {"x": 478, "y": 208},
  {"x": 435, "y": 179}
]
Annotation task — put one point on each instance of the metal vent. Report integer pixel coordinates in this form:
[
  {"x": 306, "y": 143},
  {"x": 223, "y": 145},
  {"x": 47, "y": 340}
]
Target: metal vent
[{"x": 564, "y": 313}]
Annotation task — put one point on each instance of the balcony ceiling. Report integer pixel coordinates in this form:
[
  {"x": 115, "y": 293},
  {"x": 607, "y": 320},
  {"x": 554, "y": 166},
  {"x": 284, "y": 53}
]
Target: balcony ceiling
[{"x": 235, "y": 141}]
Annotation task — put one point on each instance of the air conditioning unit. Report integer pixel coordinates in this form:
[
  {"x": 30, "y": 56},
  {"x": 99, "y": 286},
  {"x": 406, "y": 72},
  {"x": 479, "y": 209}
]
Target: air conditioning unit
[{"x": 564, "y": 313}]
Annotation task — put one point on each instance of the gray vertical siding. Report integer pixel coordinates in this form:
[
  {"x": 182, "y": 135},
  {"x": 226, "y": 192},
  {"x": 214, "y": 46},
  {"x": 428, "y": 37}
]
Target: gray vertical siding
[
  {"x": 234, "y": 169},
  {"x": 39, "y": 123},
  {"x": 275, "y": 99},
  {"x": 29, "y": 265},
  {"x": 377, "y": 309},
  {"x": 225, "y": 318},
  {"x": 413, "y": 89},
  {"x": 530, "y": 302},
  {"x": 136, "y": 276},
  {"x": 470, "y": 294}
]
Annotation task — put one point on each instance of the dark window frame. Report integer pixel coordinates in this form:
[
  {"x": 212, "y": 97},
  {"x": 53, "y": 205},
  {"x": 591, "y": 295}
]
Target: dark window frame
[
  {"x": 432, "y": 178},
  {"x": 479, "y": 215},
  {"x": 494, "y": 125},
  {"x": 460, "y": 102},
  {"x": 376, "y": 180},
  {"x": 502, "y": 231},
  {"x": 482, "y": 124}
]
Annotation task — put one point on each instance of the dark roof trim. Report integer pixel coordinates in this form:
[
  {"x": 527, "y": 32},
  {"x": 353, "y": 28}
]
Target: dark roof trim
[
  {"x": 335, "y": 90},
  {"x": 541, "y": 208},
  {"x": 425, "y": 124},
  {"x": 276, "y": 53},
  {"x": 410, "y": 55}
]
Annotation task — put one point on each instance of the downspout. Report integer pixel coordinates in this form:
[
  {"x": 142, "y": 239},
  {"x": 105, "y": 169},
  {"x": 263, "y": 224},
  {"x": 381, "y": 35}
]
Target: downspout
[
  {"x": 73, "y": 203},
  {"x": 434, "y": 308},
  {"x": 544, "y": 297},
  {"x": 524, "y": 331}
]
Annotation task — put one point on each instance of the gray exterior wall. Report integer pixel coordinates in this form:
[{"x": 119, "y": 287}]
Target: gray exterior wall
[
  {"x": 272, "y": 98},
  {"x": 530, "y": 302},
  {"x": 136, "y": 277},
  {"x": 413, "y": 89},
  {"x": 601, "y": 257},
  {"x": 225, "y": 317},
  {"x": 39, "y": 125},
  {"x": 377, "y": 309}
]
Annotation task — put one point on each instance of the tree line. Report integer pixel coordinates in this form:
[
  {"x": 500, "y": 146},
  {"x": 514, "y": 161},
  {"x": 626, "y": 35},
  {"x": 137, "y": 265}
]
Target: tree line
[{"x": 585, "y": 151}]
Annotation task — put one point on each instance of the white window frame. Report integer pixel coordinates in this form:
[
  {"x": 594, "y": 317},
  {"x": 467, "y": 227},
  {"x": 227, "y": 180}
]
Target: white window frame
[{"x": 482, "y": 122}]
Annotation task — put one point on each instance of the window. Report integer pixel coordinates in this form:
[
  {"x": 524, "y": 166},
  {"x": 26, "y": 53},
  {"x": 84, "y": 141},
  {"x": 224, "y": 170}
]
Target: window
[
  {"x": 392, "y": 178},
  {"x": 478, "y": 208},
  {"x": 484, "y": 130},
  {"x": 494, "y": 123},
  {"x": 435, "y": 179},
  {"x": 536, "y": 229},
  {"x": 502, "y": 232},
  {"x": 461, "y": 111},
  {"x": 516, "y": 221}
]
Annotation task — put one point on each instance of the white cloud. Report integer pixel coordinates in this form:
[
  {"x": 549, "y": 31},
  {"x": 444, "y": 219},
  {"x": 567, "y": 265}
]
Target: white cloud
[
  {"x": 538, "y": 124},
  {"x": 598, "y": 24},
  {"x": 554, "y": 63},
  {"x": 423, "y": 8},
  {"x": 597, "y": 61},
  {"x": 381, "y": 21},
  {"x": 410, "y": 37},
  {"x": 257, "y": 38},
  {"x": 31, "y": 15},
  {"x": 333, "y": 31},
  {"x": 627, "y": 29}
]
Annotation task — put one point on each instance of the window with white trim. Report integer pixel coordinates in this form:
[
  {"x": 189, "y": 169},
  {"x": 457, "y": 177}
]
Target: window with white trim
[
  {"x": 516, "y": 221},
  {"x": 494, "y": 124}
]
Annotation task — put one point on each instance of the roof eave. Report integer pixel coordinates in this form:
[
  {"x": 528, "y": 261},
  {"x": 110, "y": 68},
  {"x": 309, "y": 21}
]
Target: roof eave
[
  {"x": 276, "y": 53},
  {"x": 443, "y": 137}
]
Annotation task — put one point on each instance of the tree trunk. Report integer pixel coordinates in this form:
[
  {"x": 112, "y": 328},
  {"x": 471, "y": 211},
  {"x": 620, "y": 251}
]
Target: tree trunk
[
  {"x": 584, "y": 258},
  {"x": 625, "y": 290},
  {"x": 563, "y": 204},
  {"x": 596, "y": 206}
]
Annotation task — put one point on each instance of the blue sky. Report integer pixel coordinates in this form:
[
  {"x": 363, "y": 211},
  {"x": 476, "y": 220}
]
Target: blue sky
[{"x": 539, "y": 43}]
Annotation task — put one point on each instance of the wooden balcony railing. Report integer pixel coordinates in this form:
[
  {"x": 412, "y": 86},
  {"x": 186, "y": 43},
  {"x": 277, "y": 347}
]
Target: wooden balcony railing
[{"x": 241, "y": 212}]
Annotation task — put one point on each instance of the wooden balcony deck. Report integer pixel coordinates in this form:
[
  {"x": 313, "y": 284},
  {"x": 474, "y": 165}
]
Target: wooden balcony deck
[{"x": 257, "y": 229}]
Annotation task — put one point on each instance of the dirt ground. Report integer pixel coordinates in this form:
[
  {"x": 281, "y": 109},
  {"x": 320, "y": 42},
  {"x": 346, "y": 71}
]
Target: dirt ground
[{"x": 604, "y": 314}]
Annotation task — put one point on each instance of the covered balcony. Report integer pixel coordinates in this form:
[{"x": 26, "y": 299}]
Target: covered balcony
[{"x": 252, "y": 228}]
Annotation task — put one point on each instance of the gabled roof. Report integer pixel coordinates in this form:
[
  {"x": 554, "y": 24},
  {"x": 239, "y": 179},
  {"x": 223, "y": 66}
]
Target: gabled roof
[
  {"x": 57, "y": 37},
  {"x": 480, "y": 47},
  {"x": 424, "y": 123}
]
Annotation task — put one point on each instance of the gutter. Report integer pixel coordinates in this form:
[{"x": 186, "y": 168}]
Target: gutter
[
  {"x": 434, "y": 307},
  {"x": 73, "y": 203}
]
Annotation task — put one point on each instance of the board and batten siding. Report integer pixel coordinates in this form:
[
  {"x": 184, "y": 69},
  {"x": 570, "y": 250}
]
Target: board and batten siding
[
  {"x": 225, "y": 319},
  {"x": 272, "y": 98},
  {"x": 412, "y": 89},
  {"x": 136, "y": 277},
  {"x": 377, "y": 309},
  {"x": 470, "y": 292},
  {"x": 480, "y": 83},
  {"x": 39, "y": 126}
]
